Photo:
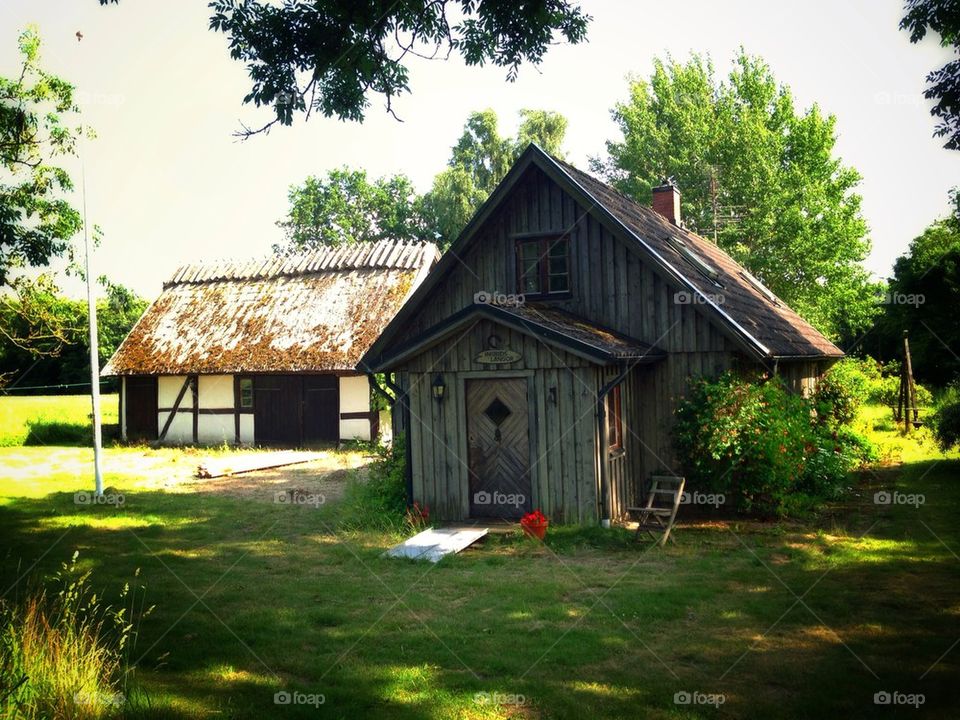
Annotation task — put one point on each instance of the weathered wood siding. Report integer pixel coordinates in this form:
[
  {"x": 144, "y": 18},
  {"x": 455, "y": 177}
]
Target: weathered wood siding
[
  {"x": 612, "y": 284},
  {"x": 561, "y": 407}
]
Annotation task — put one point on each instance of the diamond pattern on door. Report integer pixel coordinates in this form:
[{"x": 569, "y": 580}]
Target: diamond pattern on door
[{"x": 498, "y": 443}]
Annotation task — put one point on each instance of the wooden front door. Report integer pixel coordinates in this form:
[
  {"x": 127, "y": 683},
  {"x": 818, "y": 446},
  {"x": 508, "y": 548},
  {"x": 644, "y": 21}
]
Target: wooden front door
[
  {"x": 140, "y": 405},
  {"x": 276, "y": 410},
  {"x": 498, "y": 435},
  {"x": 321, "y": 408}
]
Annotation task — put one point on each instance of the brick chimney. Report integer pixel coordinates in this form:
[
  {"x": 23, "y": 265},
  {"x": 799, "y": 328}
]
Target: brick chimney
[{"x": 666, "y": 201}]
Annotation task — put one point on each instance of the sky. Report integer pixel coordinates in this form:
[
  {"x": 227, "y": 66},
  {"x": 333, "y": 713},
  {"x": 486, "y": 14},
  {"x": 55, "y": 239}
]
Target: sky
[{"x": 168, "y": 183}]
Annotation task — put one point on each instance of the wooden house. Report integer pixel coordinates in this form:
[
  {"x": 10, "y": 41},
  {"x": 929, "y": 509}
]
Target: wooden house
[
  {"x": 263, "y": 352},
  {"x": 540, "y": 362}
]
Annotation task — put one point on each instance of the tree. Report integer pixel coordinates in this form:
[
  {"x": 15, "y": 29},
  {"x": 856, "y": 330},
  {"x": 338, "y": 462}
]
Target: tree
[
  {"x": 346, "y": 207},
  {"x": 479, "y": 161},
  {"x": 36, "y": 222},
  {"x": 943, "y": 85},
  {"x": 756, "y": 176},
  {"x": 923, "y": 296},
  {"x": 56, "y": 327},
  {"x": 328, "y": 56}
]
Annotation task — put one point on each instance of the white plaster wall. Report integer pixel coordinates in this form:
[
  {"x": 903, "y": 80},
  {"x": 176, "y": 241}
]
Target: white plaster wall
[
  {"x": 216, "y": 429},
  {"x": 354, "y": 397},
  {"x": 246, "y": 428},
  {"x": 181, "y": 429},
  {"x": 216, "y": 391},
  {"x": 168, "y": 387}
]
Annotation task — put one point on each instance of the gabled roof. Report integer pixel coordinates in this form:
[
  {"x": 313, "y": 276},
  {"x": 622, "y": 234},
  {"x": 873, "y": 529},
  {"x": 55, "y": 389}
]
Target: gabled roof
[
  {"x": 316, "y": 312},
  {"x": 760, "y": 324},
  {"x": 551, "y": 325}
]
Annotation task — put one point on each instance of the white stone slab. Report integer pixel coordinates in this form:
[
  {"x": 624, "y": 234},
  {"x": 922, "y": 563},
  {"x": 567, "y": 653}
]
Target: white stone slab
[{"x": 433, "y": 544}]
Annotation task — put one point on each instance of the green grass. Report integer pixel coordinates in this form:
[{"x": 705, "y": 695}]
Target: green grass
[
  {"x": 786, "y": 620},
  {"x": 52, "y": 418}
]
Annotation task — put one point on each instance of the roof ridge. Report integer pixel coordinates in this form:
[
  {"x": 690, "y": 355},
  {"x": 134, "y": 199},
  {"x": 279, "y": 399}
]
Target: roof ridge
[{"x": 382, "y": 254}]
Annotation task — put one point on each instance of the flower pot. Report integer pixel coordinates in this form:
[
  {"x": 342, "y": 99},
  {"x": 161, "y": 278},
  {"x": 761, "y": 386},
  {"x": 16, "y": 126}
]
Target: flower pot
[{"x": 535, "y": 531}]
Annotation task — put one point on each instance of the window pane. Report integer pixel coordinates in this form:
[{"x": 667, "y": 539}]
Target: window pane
[
  {"x": 246, "y": 393},
  {"x": 559, "y": 249},
  {"x": 558, "y": 283}
]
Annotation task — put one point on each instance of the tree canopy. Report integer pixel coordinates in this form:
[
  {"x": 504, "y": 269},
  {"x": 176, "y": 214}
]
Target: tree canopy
[
  {"x": 756, "y": 176},
  {"x": 479, "y": 161},
  {"x": 943, "y": 85},
  {"x": 329, "y": 56},
  {"x": 36, "y": 220},
  {"x": 347, "y": 207},
  {"x": 923, "y": 297}
]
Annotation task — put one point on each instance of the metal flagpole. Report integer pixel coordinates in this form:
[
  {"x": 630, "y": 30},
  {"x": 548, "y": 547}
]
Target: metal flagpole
[{"x": 94, "y": 344}]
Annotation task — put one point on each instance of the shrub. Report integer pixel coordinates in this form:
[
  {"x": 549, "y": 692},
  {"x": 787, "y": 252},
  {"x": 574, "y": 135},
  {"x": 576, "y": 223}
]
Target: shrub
[
  {"x": 379, "y": 502},
  {"x": 946, "y": 425},
  {"x": 843, "y": 389},
  {"x": 888, "y": 393},
  {"x": 762, "y": 445},
  {"x": 65, "y": 656}
]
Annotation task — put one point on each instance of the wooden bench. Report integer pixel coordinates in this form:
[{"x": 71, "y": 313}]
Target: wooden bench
[{"x": 657, "y": 516}]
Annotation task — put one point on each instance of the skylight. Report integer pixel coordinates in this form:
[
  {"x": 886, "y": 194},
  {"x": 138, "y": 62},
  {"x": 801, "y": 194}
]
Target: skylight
[
  {"x": 763, "y": 289},
  {"x": 701, "y": 265}
]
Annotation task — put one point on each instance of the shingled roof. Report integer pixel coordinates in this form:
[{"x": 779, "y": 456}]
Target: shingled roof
[
  {"x": 316, "y": 312},
  {"x": 745, "y": 301}
]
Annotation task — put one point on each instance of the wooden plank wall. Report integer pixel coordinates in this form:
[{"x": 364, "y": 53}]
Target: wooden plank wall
[
  {"x": 562, "y": 414},
  {"x": 612, "y": 286}
]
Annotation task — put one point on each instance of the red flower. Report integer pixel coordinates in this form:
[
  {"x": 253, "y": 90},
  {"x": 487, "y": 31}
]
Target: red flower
[{"x": 535, "y": 518}]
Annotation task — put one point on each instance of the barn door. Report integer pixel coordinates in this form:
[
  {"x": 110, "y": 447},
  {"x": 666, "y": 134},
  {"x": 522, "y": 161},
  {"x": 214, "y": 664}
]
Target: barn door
[
  {"x": 321, "y": 408},
  {"x": 276, "y": 410},
  {"x": 499, "y": 451},
  {"x": 140, "y": 402}
]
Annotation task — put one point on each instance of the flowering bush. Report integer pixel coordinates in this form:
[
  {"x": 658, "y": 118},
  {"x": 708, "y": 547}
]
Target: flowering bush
[
  {"x": 418, "y": 517},
  {"x": 762, "y": 445},
  {"x": 534, "y": 519}
]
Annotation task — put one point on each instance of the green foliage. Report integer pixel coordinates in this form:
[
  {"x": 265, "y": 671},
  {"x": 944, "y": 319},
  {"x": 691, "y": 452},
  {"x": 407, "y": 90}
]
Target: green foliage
[
  {"x": 922, "y": 298},
  {"x": 347, "y": 207},
  {"x": 844, "y": 388},
  {"x": 479, "y": 161},
  {"x": 380, "y": 501},
  {"x": 66, "y": 655},
  {"x": 946, "y": 425},
  {"x": 36, "y": 222},
  {"x": 762, "y": 445},
  {"x": 755, "y": 174},
  {"x": 364, "y": 46},
  {"x": 943, "y": 85},
  {"x": 887, "y": 392},
  {"x": 47, "y": 333}
]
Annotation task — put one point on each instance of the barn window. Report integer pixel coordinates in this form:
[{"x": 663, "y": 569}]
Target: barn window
[
  {"x": 543, "y": 266},
  {"x": 246, "y": 393},
  {"x": 614, "y": 419}
]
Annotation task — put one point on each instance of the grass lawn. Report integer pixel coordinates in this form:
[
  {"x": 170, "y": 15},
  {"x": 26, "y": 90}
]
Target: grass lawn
[
  {"x": 17, "y": 413},
  {"x": 785, "y": 620}
]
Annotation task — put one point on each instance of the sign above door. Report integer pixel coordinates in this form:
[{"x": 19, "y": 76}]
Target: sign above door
[{"x": 498, "y": 356}]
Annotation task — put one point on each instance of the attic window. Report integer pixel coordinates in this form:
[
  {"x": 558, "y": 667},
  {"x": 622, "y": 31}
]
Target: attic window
[
  {"x": 543, "y": 266},
  {"x": 701, "y": 265},
  {"x": 761, "y": 288}
]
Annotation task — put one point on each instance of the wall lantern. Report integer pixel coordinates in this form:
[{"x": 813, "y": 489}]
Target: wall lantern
[{"x": 439, "y": 387}]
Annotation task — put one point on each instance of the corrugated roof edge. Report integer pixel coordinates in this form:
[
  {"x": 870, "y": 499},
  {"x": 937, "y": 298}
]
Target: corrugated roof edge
[{"x": 379, "y": 255}]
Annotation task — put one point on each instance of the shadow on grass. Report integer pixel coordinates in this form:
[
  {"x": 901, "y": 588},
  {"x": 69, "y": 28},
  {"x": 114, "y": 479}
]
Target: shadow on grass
[{"x": 255, "y": 599}]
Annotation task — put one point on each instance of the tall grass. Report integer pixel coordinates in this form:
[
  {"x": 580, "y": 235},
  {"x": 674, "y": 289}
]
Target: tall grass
[{"x": 67, "y": 655}]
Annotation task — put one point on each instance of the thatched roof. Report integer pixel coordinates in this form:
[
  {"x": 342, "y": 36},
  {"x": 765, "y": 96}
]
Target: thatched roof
[{"x": 316, "y": 312}]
